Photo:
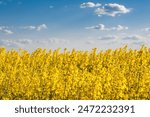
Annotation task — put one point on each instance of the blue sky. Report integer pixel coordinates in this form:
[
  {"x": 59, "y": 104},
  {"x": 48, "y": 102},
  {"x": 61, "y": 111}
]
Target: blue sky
[{"x": 80, "y": 24}]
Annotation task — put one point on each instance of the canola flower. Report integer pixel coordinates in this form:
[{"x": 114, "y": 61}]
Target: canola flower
[{"x": 121, "y": 74}]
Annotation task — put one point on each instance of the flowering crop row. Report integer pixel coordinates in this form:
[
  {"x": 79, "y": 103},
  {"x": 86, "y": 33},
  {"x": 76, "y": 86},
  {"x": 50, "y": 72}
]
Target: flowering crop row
[{"x": 79, "y": 75}]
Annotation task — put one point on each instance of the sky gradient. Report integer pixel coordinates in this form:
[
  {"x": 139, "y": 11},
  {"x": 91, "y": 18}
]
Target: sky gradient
[{"x": 80, "y": 24}]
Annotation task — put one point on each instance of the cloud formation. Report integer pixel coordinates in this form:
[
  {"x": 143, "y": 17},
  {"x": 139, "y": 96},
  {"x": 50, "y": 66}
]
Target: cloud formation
[
  {"x": 99, "y": 27},
  {"x": 58, "y": 41},
  {"x": 109, "y": 37},
  {"x": 112, "y": 9},
  {"x": 29, "y": 27},
  {"x": 31, "y": 43},
  {"x": 5, "y": 30},
  {"x": 147, "y": 29},
  {"x": 89, "y": 5},
  {"x": 15, "y": 42},
  {"x": 37, "y": 28},
  {"x": 102, "y": 27},
  {"x": 90, "y": 42},
  {"x": 133, "y": 37},
  {"x": 41, "y": 27},
  {"x": 119, "y": 28}
]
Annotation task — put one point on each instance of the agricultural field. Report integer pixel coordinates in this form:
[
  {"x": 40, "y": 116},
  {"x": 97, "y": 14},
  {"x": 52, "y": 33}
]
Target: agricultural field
[{"x": 120, "y": 74}]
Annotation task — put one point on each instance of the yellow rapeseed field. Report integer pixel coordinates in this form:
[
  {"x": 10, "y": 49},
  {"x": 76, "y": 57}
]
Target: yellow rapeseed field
[{"x": 120, "y": 74}]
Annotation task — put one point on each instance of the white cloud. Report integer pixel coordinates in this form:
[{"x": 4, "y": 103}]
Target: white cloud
[
  {"x": 58, "y": 41},
  {"x": 41, "y": 27},
  {"x": 24, "y": 41},
  {"x": 112, "y": 9},
  {"x": 15, "y": 42},
  {"x": 29, "y": 27},
  {"x": 99, "y": 27},
  {"x": 119, "y": 28},
  {"x": 147, "y": 29},
  {"x": 37, "y": 28},
  {"x": 109, "y": 37},
  {"x": 89, "y": 5},
  {"x": 90, "y": 42},
  {"x": 32, "y": 44},
  {"x": 5, "y": 30},
  {"x": 102, "y": 27},
  {"x": 133, "y": 37}
]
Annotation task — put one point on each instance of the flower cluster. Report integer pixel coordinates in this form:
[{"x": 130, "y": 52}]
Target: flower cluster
[{"x": 121, "y": 74}]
